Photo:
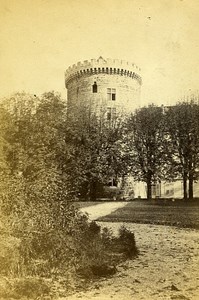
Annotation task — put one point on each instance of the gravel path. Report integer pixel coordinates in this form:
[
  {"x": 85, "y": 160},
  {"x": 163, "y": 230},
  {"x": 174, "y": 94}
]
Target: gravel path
[
  {"x": 102, "y": 209},
  {"x": 166, "y": 269}
]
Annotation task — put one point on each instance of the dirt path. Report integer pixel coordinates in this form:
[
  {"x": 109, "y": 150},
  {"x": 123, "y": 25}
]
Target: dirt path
[
  {"x": 166, "y": 269},
  {"x": 101, "y": 210}
]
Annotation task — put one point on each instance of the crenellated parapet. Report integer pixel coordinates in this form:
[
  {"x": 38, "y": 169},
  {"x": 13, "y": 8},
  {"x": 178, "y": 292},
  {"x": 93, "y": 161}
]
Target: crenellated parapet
[{"x": 103, "y": 66}]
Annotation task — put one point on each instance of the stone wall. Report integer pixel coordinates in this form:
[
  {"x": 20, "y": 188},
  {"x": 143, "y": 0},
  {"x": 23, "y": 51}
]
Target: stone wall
[{"x": 119, "y": 76}]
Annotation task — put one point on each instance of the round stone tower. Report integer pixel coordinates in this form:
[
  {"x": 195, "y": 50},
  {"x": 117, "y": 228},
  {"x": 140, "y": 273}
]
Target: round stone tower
[{"x": 110, "y": 85}]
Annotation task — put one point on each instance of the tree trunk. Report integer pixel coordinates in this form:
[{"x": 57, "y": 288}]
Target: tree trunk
[
  {"x": 191, "y": 178},
  {"x": 93, "y": 191},
  {"x": 190, "y": 187},
  {"x": 149, "y": 188},
  {"x": 185, "y": 186}
]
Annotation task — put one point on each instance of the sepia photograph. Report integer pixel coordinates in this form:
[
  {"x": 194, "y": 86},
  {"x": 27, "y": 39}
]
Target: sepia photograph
[{"x": 99, "y": 150}]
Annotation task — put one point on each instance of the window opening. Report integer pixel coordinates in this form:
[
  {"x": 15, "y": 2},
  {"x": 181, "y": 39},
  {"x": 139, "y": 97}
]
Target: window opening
[
  {"x": 95, "y": 87},
  {"x": 112, "y": 182},
  {"x": 111, "y": 94}
]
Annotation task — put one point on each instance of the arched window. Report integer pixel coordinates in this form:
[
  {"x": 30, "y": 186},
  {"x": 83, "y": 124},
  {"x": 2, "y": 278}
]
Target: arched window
[{"x": 95, "y": 87}]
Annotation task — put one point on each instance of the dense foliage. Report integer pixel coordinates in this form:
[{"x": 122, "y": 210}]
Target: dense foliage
[
  {"x": 48, "y": 159},
  {"x": 163, "y": 144},
  {"x": 183, "y": 143},
  {"x": 145, "y": 131},
  {"x": 96, "y": 150},
  {"x": 45, "y": 163}
]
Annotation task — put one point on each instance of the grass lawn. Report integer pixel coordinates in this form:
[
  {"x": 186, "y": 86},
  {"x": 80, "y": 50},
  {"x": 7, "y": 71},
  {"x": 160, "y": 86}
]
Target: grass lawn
[{"x": 160, "y": 212}]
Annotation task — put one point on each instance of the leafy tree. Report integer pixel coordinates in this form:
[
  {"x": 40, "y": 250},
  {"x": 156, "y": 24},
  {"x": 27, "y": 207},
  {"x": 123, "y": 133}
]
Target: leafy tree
[
  {"x": 20, "y": 109},
  {"x": 36, "y": 135},
  {"x": 35, "y": 193},
  {"x": 4, "y": 145},
  {"x": 96, "y": 149},
  {"x": 44, "y": 234},
  {"x": 144, "y": 142},
  {"x": 183, "y": 143}
]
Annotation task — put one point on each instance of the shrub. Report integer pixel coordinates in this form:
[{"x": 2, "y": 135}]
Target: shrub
[
  {"x": 9, "y": 254},
  {"x": 45, "y": 236},
  {"x": 30, "y": 288},
  {"x": 123, "y": 244},
  {"x": 5, "y": 288},
  {"x": 100, "y": 250},
  {"x": 126, "y": 242},
  {"x": 50, "y": 238},
  {"x": 23, "y": 288}
]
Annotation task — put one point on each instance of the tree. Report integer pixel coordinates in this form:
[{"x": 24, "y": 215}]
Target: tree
[
  {"x": 20, "y": 108},
  {"x": 35, "y": 192},
  {"x": 96, "y": 148},
  {"x": 145, "y": 133},
  {"x": 37, "y": 151},
  {"x": 42, "y": 233},
  {"x": 4, "y": 145},
  {"x": 183, "y": 143}
]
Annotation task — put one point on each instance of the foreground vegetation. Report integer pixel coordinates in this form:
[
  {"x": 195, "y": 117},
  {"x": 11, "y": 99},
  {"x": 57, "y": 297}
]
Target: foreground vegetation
[
  {"x": 92, "y": 253},
  {"x": 45, "y": 242},
  {"x": 49, "y": 159}
]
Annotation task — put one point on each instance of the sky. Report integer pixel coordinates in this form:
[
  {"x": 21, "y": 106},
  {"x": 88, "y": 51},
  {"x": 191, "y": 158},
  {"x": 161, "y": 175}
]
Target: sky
[{"x": 40, "y": 39}]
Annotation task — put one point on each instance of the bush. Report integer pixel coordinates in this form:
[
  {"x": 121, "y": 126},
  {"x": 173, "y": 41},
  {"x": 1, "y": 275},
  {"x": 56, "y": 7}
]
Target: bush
[
  {"x": 90, "y": 250},
  {"x": 101, "y": 251},
  {"x": 5, "y": 288},
  {"x": 30, "y": 288},
  {"x": 9, "y": 254},
  {"x": 50, "y": 238},
  {"x": 45, "y": 236},
  {"x": 126, "y": 242}
]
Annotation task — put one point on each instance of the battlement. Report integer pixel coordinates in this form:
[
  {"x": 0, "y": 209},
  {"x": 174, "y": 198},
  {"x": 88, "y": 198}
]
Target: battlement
[{"x": 100, "y": 65}]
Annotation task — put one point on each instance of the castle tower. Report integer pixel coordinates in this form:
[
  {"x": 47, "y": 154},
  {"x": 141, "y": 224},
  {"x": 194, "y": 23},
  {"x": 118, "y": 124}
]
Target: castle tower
[{"x": 110, "y": 85}]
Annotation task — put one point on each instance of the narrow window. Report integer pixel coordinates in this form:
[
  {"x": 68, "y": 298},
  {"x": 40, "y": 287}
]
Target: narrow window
[
  {"x": 112, "y": 182},
  {"x": 95, "y": 87}
]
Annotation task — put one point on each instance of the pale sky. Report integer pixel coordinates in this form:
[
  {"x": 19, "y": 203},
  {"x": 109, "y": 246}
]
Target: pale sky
[{"x": 40, "y": 39}]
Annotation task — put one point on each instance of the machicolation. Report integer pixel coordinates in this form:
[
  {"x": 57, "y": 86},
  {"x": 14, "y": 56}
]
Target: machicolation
[
  {"x": 111, "y": 84},
  {"x": 108, "y": 66}
]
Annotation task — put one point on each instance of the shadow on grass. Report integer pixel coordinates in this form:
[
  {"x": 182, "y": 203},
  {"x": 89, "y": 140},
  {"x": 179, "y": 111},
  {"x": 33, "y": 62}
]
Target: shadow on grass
[{"x": 160, "y": 212}]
